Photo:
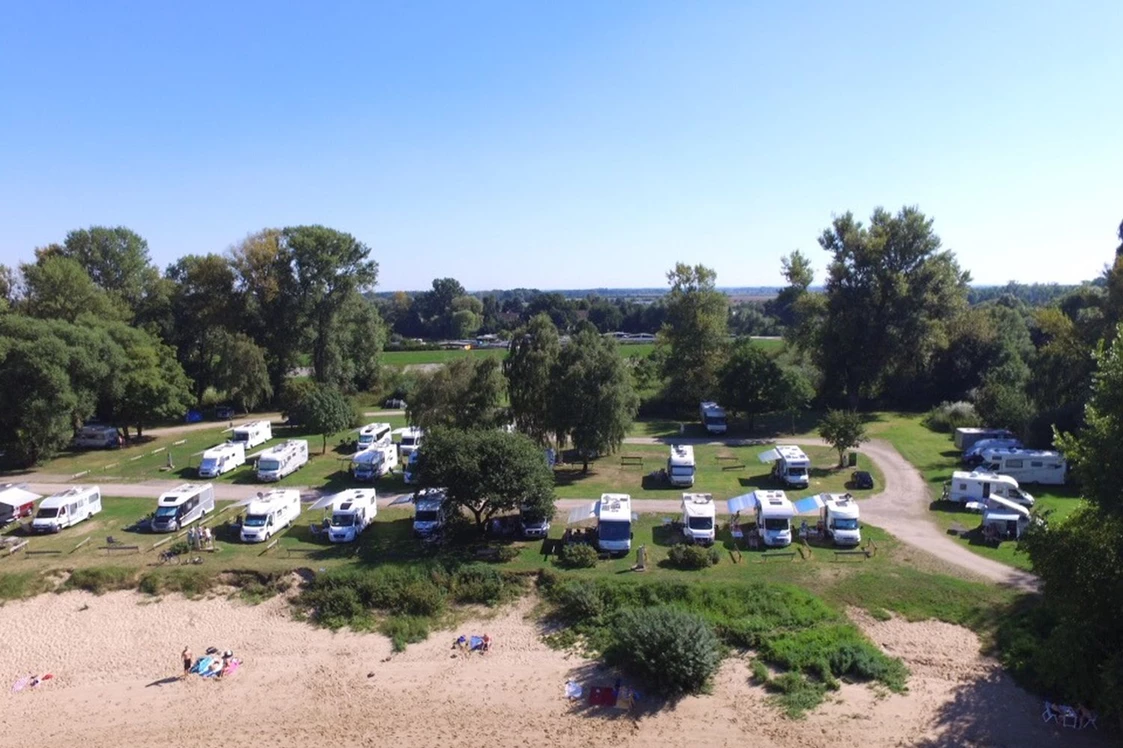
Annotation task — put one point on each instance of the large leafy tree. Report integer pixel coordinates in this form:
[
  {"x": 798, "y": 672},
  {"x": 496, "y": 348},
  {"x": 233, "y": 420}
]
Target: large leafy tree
[
  {"x": 843, "y": 430},
  {"x": 486, "y": 471},
  {"x": 58, "y": 287},
  {"x": 692, "y": 341},
  {"x": 240, "y": 370},
  {"x": 356, "y": 345},
  {"x": 797, "y": 271},
  {"x": 152, "y": 385},
  {"x": 37, "y": 402},
  {"x": 749, "y": 381},
  {"x": 324, "y": 410},
  {"x": 465, "y": 394},
  {"x": 205, "y": 307},
  {"x": 529, "y": 369},
  {"x": 116, "y": 259}
]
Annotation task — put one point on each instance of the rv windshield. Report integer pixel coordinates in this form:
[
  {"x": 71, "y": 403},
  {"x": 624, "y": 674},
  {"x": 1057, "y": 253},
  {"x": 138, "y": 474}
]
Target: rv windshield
[
  {"x": 241, "y": 436},
  {"x": 342, "y": 520},
  {"x": 47, "y": 513},
  {"x": 208, "y": 463},
  {"x": 701, "y": 523},
  {"x": 715, "y": 420},
  {"x": 614, "y": 530},
  {"x": 270, "y": 465},
  {"x": 165, "y": 512},
  {"x": 255, "y": 520},
  {"x": 684, "y": 470},
  {"x": 846, "y": 524},
  {"x": 426, "y": 515},
  {"x": 776, "y": 524},
  {"x": 797, "y": 472},
  {"x": 366, "y": 440}
]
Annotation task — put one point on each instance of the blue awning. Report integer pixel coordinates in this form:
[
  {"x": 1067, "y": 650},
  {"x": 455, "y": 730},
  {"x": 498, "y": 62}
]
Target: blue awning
[
  {"x": 808, "y": 504},
  {"x": 744, "y": 502}
]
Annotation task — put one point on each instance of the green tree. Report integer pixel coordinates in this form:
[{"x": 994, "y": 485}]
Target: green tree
[
  {"x": 325, "y": 410},
  {"x": 7, "y": 288},
  {"x": 529, "y": 369},
  {"x": 205, "y": 308},
  {"x": 116, "y": 259},
  {"x": 1001, "y": 401},
  {"x": 797, "y": 271},
  {"x": 486, "y": 471},
  {"x": 794, "y": 393},
  {"x": 466, "y": 393},
  {"x": 240, "y": 370},
  {"x": 357, "y": 345},
  {"x": 693, "y": 338},
  {"x": 673, "y": 650},
  {"x": 60, "y": 288},
  {"x": 153, "y": 386},
  {"x": 36, "y": 399},
  {"x": 843, "y": 430},
  {"x": 594, "y": 399},
  {"x": 749, "y": 381}
]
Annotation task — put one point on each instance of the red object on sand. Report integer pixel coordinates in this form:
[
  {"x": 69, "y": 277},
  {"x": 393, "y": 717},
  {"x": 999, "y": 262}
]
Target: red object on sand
[
  {"x": 48, "y": 676},
  {"x": 602, "y": 696}
]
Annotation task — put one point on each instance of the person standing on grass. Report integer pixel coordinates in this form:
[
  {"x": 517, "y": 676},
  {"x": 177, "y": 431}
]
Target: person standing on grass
[{"x": 187, "y": 661}]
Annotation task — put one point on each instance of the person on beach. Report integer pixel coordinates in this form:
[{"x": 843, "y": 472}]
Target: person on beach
[
  {"x": 188, "y": 660},
  {"x": 227, "y": 656}
]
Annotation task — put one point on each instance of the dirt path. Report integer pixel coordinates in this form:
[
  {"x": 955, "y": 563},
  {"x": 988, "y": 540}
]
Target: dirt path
[{"x": 183, "y": 428}]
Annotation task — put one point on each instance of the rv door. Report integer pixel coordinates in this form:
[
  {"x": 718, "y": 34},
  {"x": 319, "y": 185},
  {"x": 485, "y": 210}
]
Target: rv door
[{"x": 986, "y": 489}]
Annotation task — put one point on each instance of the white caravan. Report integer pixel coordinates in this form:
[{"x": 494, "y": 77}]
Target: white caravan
[
  {"x": 839, "y": 516},
  {"x": 1006, "y": 518},
  {"x": 371, "y": 464},
  {"x": 222, "y": 459},
  {"x": 179, "y": 507},
  {"x": 774, "y": 517},
  {"x": 409, "y": 471},
  {"x": 373, "y": 435},
  {"x": 269, "y": 514},
  {"x": 680, "y": 465},
  {"x": 67, "y": 508},
  {"x": 351, "y": 512},
  {"x": 790, "y": 465},
  {"x": 980, "y": 486},
  {"x": 429, "y": 512},
  {"x": 1027, "y": 465},
  {"x": 713, "y": 417},
  {"x": 284, "y": 459},
  {"x": 253, "y": 433},
  {"x": 96, "y": 437},
  {"x": 965, "y": 438},
  {"x": 699, "y": 516},
  {"x": 410, "y": 443},
  {"x": 614, "y": 523},
  {"x": 974, "y": 454}
]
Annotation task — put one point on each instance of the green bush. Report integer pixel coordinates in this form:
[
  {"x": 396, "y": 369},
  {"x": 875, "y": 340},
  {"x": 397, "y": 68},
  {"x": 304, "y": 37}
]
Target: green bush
[
  {"x": 405, "y": 630},
  {"x": 947, "y": 417},
  {"x": 100, "y": 579},
  {"x": 674, "y": 651},
  {"x": 577, "y": 556},
  {"x": 760, "y": 673},
  {"x": 478, "y": 584},
  {"x": 692, "y": 557},
  {"x": 420, "y": 599},
  {"x": 795, "y": 693},
  {"x": 336, "y": 607},
  {"x": 505, "y": 553},
  {"x": 189, "y": 582},
  {"x": 833, "y": 651},
  {"x": 18, "y": 585},
  {"x": 180, "y": 548},
  {"x": 578, "y": 600}
]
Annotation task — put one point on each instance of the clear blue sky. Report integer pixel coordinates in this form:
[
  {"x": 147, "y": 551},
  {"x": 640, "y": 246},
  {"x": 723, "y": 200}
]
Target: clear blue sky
[{"x": 568, "y": 144}]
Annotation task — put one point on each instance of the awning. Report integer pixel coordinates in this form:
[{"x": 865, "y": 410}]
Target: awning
[
  {"x": 770, "y": 456},
  {"x": 406, "y": 498},
  {"x": 582, "y": 514},
  {"x": 744, "y": 502},
  {"x": 808, "y": 504},
  {"x": 324, "y": 501},
  {"x": 996, "y": 517},
  {"x": 17, "y": 497}
]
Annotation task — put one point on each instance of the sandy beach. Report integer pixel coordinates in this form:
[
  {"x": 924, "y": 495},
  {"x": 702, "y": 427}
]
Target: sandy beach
[{"x": 115, "y": 659}]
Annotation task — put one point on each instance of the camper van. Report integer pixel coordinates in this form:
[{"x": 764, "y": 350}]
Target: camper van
[
  {"x": 774, "y": 518},
  {"x": 699, "y": 517},
  {"x": 713, "y": 417},
  {"x": 533, "y": 523},
  {"x": 96, "y": 437},
  {"x": 680, "y": 465},
  {"x": 429, "y": 512},
  {"x": 371, "y": 464},
  {"x": 351, "y": 512},
  {"x": 373, "y": 435},
  {"x": 1027, "y": 465},
  {"x": 1005, "y": 519},
  {"x": 411, "y": 442},
  {"x": 965, "y": 438},
  {"x": 284, "y": 459},
  {"x": 614, "y": 523},
  {"x": 269, "y": 514},
  {"x": 67, "y": 508},
  {"x": 409, "y": 471},
  {"x": 839, "y": 517},
  {"x": 16, "y": 502},
  {"x": 181, "y": 506},
  {"x": 222, "y": 459},
  {"x": 980, "y": 486},
  {"x": 974, "y": 454},
  {"x": 790, "y": 465},
  {"x": 253, "y": 433}
]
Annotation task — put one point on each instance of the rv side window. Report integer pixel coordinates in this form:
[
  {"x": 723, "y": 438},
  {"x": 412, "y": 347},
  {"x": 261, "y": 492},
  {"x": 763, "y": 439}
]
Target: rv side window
[
  {"x": 1014, "y": 463},
  {"x": 962, "y": 486},
  {"x": 1036, "y": 464}
]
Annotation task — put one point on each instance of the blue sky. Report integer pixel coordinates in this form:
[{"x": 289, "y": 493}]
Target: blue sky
[{"x": 569, "y": 144}]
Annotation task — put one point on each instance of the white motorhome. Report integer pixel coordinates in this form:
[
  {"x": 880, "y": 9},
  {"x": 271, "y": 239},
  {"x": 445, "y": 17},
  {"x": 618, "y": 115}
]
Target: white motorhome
[
  {"x": 614, "y": 523},
  {"x": 839, "y": 516},
  {"x": 774, "y": 517},
  {"x": 1006, "y": 519},
  {"x": 713, "y": 417},
  {"x": 790, "y": 465},
  {"x": 1027, "y": 465},
  {"x": 965, "y": 438},
  {"x": 351, "y": 512},
  {"x": 371, "y": 464},
  {"x": 269, "y": 514},
  {"x": 680, "y": 465},
  {"x": 980, "y": 486},
  {"x": 699, "y": 518},
  {"x": 409, "y": 471},
  {"x": 284, "y": 459},
  {"x": 179, "y": 507},
  {"x": 67, "y": 508},
  {"x": 96, "y": 437},
  {"x": 373, "y": 435},
  {"x": 974, "y": 454},
  {"x": 222, "y": 459},
  {"x": 429, "y": 512},
  {"x": 253, "y": 433},
  {"x": 410, "y": 442}
]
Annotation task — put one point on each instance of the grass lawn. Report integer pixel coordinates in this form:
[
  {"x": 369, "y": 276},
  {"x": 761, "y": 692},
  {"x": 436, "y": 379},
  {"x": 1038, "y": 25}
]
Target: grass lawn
[{"x": 723, "y": 471}]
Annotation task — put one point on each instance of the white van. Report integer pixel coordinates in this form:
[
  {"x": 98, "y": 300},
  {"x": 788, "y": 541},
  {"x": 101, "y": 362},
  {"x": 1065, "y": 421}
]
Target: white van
[
  {"x": 680, "y": 465},
  {"x": 67, "y": 508},
  {"x": 179, "y": 507},
  {"x": 1027, "y": 465},
  {"x": 980, "y": 486},
  {"x": 253, "y": 433},
  {"x": 614, "y": 523},
  {"x": 96, "y": 437},
  {"x": 269, "y": 514},
  {"x": 774, "y": 517},
  {"x": 840, "y": 519},
  {"x": 410, "y": 443},
  {"x": 222, "y": 459},
  {"x": 965, "y": 438},
  {"x": 713, "y": 417},
  {"x": 373, "y": 435},
  {"x": 429, "y": 512},
  {"x": 351, "y": 512},
  {"x": 699, "y": 516},
  {"x": 371, "y": 464},
  {"x": 790, "y": 465},
  {"x": 283, "y": 459}
]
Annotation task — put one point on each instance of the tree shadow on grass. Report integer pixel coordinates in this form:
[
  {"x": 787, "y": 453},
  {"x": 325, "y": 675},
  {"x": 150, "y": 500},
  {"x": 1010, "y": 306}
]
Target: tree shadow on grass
[{"x": 761, "y": 481}]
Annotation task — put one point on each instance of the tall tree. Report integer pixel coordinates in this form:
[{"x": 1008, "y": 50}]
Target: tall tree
[
  {"x": 843, "y": 430},
  {"x": 59, "y": 287},
  {"x": 116, "y": 259},
  {"x": 356, "y": 345},
  {"x": 529, "y": 370},
  {"x": 749, "y": 381},
  {"x": 153, "y": 386},
  {"x": 693, "y": 338},
  {"x": 240, "y": 371},
  {"x": 465, "y": 394},
  {"x": 205, "y": 304},
  {"x": 7, "y": 287},
  {"x": 324, "y": 410},
  {"x": 36, "y": 399},
  {"x": 797, "y": 271}
]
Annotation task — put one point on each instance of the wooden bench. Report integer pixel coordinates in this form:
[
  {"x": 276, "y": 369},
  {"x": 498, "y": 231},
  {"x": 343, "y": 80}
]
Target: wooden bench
[
  {"x": 778, "y": 554},
  {"x": 13, "y": 548},
  {"x": 863, "y": 552},
  {"x": 739, "y": 466},
  {"x": 30, "y": 552},
  {"x": 119, "y": 547}
]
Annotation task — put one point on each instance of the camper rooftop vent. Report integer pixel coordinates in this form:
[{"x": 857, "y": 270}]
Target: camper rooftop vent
[
  {"x": 345, "y": 506},
  {"x": 703, "y": 498},
  {"x": 775, "y": 502}
]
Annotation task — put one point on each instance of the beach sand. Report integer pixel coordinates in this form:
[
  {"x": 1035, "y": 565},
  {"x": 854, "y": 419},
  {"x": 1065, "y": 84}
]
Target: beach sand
[{"x": 115, "y": 659}]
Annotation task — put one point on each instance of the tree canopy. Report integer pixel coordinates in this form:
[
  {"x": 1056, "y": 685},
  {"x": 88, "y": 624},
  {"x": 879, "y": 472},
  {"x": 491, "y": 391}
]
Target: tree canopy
[
  {"x": 465, "y": 394},
  {"x": 529, "y": 369},
  {"x": 324, "y": 410},
  {"x": 693, "y": 338}
]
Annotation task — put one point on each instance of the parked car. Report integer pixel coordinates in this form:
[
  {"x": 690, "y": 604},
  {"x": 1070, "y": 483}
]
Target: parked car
[
  {"x": 395, "y": 404},
  {"x": 224, "y": 412},
  {"x": 861, "y": 479}
]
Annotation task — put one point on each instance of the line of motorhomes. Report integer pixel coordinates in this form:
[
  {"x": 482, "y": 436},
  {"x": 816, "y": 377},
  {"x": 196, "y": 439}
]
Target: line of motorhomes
[{"x": 997, "y": 451}]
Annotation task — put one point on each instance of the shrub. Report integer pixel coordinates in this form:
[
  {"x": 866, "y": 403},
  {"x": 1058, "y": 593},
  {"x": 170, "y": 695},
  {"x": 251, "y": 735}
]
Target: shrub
[
  {"x": 189, "y": 582},
  {"x": 674, "y": 651},
  {"x": 478, "y": 584},
  {"x": 505, "y": 553},
  {"x": 100, "y": 579},
  {"x": 831, "y": 651},
  {"x": 760, "y": 673},
  {"x": 17, "y": 585},
  {"x": 405, "y": 630},
  {"x": 336, "y": 606},
  {"x": 577, "y": 556},
  {"x": 180, "y": 548},
  {"x": 579, "y": 600},
  {"x": 947, "y": 417},
  {"x": 690, "y": 556},
  {"x": 420, "y": 599},
  {"x": 795, "y": 693}
]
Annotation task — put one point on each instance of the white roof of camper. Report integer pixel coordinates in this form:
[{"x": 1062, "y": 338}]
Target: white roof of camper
[
  {"x": 789, "y": 452},
  {"x": 351, "y": 495},
  {"x": 711, "y": 407},
  {"x": 774, "y": 504},
  {"x": 252, "y": 425},
  {"x": 841, "y": 505},
  {"x": 280, "y": 449},
  {"x": 13, "y": 495},
  {"x": 372, "y": 428},
  {"x": 413, "y": 431},
  {"x": 698, "y": 505},
  {"x": 984, "y": 475},
  {"x": 682, "y": 454},
  {"x": 614, "y": 506},
  {"x": 1016, "y": 452},
  {"x": 219, "y": 450},
  {"x": 181, "y": 493}
]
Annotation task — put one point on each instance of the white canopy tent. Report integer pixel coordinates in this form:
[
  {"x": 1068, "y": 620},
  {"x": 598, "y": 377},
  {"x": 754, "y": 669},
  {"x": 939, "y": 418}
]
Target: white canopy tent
[{"x": 16, "y": 496}]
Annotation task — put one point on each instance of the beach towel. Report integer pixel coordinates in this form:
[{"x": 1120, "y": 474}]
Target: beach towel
[
  {"x": 475, "y": 642},
  {"x": 573, "y": 690},
  {"x": 201, "y": 665},
  {"x": 602, "y": 696},
  {"x": 231, "y": 667},
  {"x": 20, "y": 684}
]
